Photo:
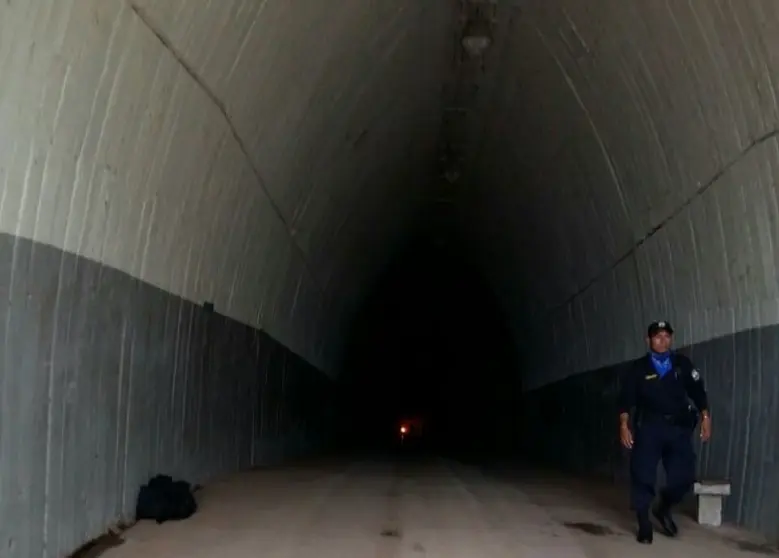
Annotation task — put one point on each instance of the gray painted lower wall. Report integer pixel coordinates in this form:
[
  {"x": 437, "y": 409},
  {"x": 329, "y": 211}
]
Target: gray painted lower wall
[
  {"x": 106, "y": 381},
  {"x": 573, "y": 424}
]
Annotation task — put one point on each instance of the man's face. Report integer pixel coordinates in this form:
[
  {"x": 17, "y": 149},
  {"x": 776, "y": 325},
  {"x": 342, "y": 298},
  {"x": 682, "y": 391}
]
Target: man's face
[{"x": 660, "y": 342}]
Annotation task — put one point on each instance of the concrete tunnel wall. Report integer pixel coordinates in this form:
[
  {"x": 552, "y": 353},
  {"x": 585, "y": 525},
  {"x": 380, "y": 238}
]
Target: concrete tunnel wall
[
  {"x": 154, "y": 158},
  {"x": 250, "y": 154},
  {"x": 627, "y": 158}
]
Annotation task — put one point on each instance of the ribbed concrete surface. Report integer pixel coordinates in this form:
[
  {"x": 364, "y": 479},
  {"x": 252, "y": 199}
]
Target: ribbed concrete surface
[
  {"x": 618, "y": 160},
  {"x": 262, "y": 155},
  {"x": 618, "y": 164},
  {"x": 626, "y": 158},
  {"x": 390, "y": 509}
]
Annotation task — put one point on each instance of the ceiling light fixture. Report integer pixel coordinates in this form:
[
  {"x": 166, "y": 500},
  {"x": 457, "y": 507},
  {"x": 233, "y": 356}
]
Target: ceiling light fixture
[{"x": 477, "y": 37}]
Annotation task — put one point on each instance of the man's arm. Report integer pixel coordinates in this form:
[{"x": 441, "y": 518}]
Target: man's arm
[
  {"x": 696, "y": 390},
  {"x": 627, "y": 396},
  {"x": 693, "y": 383},
  {"x": 626, "y": 403}
]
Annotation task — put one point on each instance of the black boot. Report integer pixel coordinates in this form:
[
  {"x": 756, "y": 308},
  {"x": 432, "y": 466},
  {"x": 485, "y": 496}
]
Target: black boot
[
  {"x": 662, "y": 514},
  {"x": 644, "y": 535}
]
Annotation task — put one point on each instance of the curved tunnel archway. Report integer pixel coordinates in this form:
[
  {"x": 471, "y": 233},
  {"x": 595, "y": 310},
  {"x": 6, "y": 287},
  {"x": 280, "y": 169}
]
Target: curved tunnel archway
[
  {"x": 192, "y": 195},
  {"x": 431, "y": 346}
]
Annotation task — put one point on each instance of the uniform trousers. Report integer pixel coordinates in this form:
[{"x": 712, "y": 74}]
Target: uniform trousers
[{"x": 658, "y": 440}]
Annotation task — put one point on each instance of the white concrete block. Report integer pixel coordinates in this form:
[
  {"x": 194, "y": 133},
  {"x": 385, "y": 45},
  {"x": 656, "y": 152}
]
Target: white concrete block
[
  {"x": 712, "y": 488},
  {"x": 710, "y": 510},
  {"x": 710, "y": 495}
]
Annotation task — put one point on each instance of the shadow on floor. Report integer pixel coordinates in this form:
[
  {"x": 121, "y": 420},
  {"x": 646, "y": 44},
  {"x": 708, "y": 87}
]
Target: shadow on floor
[
  {"x": 611, "y": 500},
  {"x": 589, "y": 528},
  {"x": 99, "y": 546}
]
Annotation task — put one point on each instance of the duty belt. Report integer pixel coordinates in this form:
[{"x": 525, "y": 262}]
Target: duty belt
[{"x": 686, "y": 418}]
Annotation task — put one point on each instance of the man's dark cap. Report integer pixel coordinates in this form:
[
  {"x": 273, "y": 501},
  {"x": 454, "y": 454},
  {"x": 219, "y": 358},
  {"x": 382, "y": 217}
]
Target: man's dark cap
[{"x": 657, "y": 327}]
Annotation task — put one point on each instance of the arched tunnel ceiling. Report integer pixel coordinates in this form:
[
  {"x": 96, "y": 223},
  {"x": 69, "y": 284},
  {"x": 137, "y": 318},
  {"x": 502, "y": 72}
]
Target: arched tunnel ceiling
[
  {"x": 625, "y": 156},
  {"x": 618, "y": 158},
  {"x": 263, "y": 155}
]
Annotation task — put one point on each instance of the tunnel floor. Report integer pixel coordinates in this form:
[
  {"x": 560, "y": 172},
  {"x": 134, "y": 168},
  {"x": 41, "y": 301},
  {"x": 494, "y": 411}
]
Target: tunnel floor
[{"x": 413, "y": 508}]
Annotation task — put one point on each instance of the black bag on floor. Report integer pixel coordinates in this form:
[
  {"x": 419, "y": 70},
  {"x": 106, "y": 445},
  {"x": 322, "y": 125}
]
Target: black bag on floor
[{"x": 164, "y": 499}]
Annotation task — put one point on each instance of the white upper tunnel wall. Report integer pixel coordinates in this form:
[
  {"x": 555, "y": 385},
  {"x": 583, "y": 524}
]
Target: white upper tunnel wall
[
  {"x": 629, "y": 173},
  {"x": 262, "y": 155},
  {"x": 265, "y": 155}
]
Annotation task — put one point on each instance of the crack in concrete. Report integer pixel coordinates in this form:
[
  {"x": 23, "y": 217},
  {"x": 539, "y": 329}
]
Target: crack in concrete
[
  {"x": 772, "y": 134},
  {"x": 149, "y": 23},
  {"x": 179, "y": 57}
]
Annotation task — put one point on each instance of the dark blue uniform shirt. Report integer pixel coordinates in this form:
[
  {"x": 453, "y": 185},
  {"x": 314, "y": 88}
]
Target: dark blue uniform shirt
[{"x": 650, "y": 392}]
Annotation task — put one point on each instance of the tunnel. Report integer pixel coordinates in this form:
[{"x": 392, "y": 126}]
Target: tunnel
[{"x": 241, "y": 237}]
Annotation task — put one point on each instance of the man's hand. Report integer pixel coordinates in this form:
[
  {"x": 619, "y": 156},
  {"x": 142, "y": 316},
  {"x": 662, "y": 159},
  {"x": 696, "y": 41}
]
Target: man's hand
[
  {"x": 705, "y": 427},
  {"x": 625, "y": 435}
]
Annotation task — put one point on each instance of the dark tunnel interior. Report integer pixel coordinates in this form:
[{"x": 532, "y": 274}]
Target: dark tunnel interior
[
  {"x": 430, "y": 344},
  {"x": 240, "y": 234}
]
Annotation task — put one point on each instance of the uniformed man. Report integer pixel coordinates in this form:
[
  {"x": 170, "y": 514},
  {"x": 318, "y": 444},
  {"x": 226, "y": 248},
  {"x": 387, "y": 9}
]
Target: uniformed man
[{"x": 659, "y": 387}]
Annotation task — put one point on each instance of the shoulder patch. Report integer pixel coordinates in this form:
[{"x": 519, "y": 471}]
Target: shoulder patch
[{"x": 695, "y": 374}]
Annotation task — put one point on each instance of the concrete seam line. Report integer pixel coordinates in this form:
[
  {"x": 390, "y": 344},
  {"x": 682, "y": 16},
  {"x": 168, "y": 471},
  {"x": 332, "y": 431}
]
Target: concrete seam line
[
  {"x": 147, "y": 21},
  {"x": 772, "y": 134}
]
